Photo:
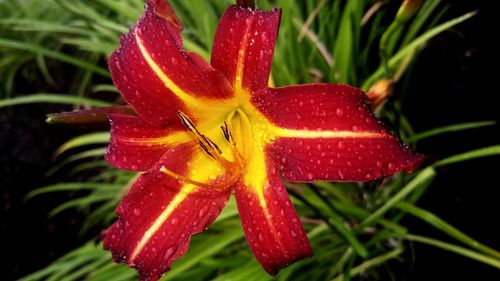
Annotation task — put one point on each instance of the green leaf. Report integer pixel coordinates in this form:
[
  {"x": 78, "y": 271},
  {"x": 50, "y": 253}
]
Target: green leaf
[
  {"x": 377, "y": 261},
  {"x": 51, "y": 98},
  {"x": 88, "y": 139},
  {"x": 445, "y": 227},
  {"x": 477, "y": 153},
  {"x": 413, "y": 45},
  {"x": 450, "y": 129},
  {"x": 201, "y": 251},
  {"x": 39, "y": 50},
  {"x": 70, "y": 187},
  {"x": 454, "y": 249},
  {"x": 423, "y": 177}
]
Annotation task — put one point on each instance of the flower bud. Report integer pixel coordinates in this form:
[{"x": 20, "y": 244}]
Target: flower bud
[
  {"x": 380, "y": 91},
  {"x": 408, "y": 10}
]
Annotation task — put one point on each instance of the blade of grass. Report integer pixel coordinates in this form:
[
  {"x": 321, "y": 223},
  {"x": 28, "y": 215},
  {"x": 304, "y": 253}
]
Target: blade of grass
[
  {"x": 200, "y": 251},
  {"x": 52, "y": 98},
  {"x": 445, "y": 227},
  {"x": 423, "y": 177},
  {"x": 72, "y": 186},
  {"x": 477, "y": 153},
  {"x": 39, "y": 50},
  {"x": 88, "y": 139},
  {"x": 454, "y": 249},
  {"x": 377, "y": 261},
  {"x": 449, "y": 129},
  {"x": 411, "y": 47}
]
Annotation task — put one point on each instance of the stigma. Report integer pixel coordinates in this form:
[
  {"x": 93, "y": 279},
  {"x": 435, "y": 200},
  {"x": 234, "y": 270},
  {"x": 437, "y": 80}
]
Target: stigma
[{"x": 233, "y": 168}]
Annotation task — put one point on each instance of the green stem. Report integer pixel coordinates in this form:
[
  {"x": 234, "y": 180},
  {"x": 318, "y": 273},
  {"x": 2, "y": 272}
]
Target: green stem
[
  {"x": 454, "y": 249},
  {"x": 384, "y": 56},
  {"x": 424, "y": 176},
  {"x": 371, "y": 263},
  {"x": 337, "y": 225},
  {"x": 446, "y": 228}
]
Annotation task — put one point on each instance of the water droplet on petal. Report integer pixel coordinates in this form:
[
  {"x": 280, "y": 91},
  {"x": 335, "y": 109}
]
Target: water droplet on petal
[
  {"x": 340, "y": 145},
  {"x": 390, "y": 166},
  {"x": 168, "y": 253},
  {"x": 339, "y": 112},
  {"x": 137, "y": 211}
]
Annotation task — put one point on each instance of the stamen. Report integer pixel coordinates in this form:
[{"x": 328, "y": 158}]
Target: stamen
[
  {"x": 233, "y": 168},
  {"x": 182, "y": 178},
  {"x": 212, "y": 144},
  {"x": 227, "y": 132},
  {"x": 218, "y": 186}
]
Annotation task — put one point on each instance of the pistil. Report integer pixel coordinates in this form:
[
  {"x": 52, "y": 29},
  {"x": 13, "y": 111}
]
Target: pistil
[{"x": 233, "y": 168}]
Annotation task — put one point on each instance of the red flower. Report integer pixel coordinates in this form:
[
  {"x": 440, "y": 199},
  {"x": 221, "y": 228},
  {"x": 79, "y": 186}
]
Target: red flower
[{"x": 234, "y": 133}]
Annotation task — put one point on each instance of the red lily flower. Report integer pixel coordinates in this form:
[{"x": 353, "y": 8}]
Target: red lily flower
[{"x": 234, "y": 133}]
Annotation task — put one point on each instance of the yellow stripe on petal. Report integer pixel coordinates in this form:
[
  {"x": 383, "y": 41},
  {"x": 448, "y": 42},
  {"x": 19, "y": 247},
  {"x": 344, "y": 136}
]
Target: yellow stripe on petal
[
  {"x": 183, "y": 193},
  {"x": 209, "y": 171},
  {"x": 187, "y": 98},
  {"x": 309, "y": 134},
  {"x": 202, "y": 168},
  {"x": 240, "y": 65}
]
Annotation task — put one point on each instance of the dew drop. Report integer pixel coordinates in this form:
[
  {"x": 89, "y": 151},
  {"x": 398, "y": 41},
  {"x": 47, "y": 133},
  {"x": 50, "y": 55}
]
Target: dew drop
[
  {"x": 174, "y": 221},
  {"x": 168, "y": 253},
  {"x": 339, "y": 112},
  {"x": 294, "y": 234},
  {"x": 341, "y": 175},
  {"x": 284, "y": 160},
  {"x": 340, "y": 145},
  {"x": 264, "y": 36},
  {"x": 137, "y": 211},
  {"x": 390, "y": 166}
]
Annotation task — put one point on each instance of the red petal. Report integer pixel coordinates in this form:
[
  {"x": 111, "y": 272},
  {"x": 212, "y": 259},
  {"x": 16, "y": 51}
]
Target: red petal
[
  {"x": 158, "y": 216},
  {"x": 135, "y": 144},
  {"x": 244, "y": 46},
  {"x": 328, "y": 133},
  {"x": 272, "y": 228},
  {"x": 155, "y": 75}
]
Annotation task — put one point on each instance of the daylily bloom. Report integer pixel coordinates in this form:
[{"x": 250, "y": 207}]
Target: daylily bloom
[{"x": 204, "y": 130}]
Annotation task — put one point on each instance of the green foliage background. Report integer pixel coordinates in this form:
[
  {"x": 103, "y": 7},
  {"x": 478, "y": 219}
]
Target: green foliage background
[{"x": 354, "y": 228}]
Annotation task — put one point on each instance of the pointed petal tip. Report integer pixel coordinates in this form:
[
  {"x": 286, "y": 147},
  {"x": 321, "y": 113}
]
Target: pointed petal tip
[
  {"x": 163, "y": 9},
  {"x": 415, "y": 163},
  {"x": 159, "y": 214}
]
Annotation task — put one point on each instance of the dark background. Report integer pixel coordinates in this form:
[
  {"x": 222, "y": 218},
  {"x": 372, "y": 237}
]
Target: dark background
[{"x": 455, "y": 81}]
